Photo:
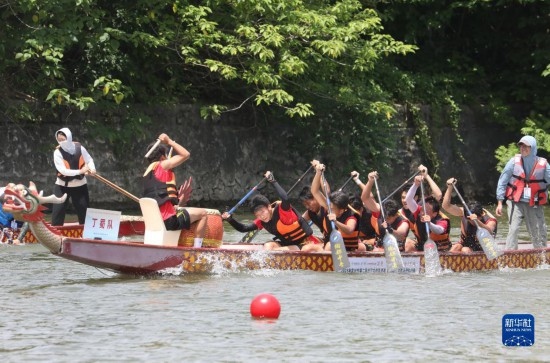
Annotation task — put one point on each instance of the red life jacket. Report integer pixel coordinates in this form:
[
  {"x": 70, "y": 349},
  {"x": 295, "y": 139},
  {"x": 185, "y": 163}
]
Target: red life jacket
[{"x": 536, "y": 181}]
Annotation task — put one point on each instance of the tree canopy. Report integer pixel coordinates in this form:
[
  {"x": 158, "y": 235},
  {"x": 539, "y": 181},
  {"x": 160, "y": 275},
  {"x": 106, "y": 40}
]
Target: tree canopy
[{"x": 336, "y": 69}]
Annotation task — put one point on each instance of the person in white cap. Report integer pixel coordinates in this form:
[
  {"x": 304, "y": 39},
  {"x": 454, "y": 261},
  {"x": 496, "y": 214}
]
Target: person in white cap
[
  {"x": 72, "y": 162},
  {"x": 523, "y": 183}
]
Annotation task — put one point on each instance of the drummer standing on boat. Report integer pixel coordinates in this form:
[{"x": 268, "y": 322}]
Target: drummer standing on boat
[
  {"x": 523, "y": 183},
  {"x": 72, "y": 162}
]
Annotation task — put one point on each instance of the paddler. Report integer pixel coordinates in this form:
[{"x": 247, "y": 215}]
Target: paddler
[
  {"x": 438, "y": 223},
  {"x": 394, "y": 223},
  {"x": 292, "y": 232},
  {"x": 468, "y": 227},
  {"x": 159, "y": 183},
  {"x": 343, "y": 217}
]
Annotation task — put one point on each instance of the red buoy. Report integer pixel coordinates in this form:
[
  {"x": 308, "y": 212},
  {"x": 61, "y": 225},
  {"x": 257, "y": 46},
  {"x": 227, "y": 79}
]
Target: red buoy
[{"x": 265, "y": 306}]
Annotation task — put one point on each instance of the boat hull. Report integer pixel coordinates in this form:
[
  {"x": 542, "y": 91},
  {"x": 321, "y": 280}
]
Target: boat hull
[{"x": 141, "y": 259}]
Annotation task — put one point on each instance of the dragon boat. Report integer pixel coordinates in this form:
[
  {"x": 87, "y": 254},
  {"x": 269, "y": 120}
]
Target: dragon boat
[
  {"x": 129, "y": 226},
  {"x": 160, "y": 250}
]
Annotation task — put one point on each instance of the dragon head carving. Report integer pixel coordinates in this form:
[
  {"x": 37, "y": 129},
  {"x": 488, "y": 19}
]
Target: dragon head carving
[{"x": 25, "y": 203}]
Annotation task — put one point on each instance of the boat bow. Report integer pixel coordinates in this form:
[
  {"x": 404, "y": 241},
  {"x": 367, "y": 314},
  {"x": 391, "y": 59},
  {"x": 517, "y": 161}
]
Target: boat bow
[{"x": 25, "y": 203}]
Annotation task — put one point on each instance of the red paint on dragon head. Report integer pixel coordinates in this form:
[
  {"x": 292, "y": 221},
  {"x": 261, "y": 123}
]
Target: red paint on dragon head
[{"x": 25, "y": 203}]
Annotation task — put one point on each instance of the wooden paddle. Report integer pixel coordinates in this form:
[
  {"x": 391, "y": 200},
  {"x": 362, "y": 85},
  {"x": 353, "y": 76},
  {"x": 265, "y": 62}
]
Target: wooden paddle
[
  {"x": 394, "y": 262},
  {"x": 232, "y": 210},
  {"x": 153, "y": 148},
  {"x": 340, "y": 260},
  {"x": 114, "y": 186},
  {"x": 345, "y": 183},
  {"x": 185, "y": 188},
  {"x": 485, "y": 238},
  {"x": 432, "y": 265},
  {"x": 249, "y": 236},
  {"x": 401, "y": 186}
]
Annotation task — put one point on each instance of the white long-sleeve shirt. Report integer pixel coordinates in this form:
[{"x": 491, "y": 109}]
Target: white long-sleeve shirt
[{"x": 61, "y": 168}]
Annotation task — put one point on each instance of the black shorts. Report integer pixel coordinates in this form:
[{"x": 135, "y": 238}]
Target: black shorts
[
  {"x": 181, "y": 220},
  {"x": 472, "y": 244},
  {"x": 419, "y": 246}
]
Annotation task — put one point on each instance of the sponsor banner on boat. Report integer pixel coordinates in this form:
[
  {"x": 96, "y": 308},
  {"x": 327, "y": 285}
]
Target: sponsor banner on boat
[
  {"x": 378, "y": 264},
  {"x": 101, "y": 224}
]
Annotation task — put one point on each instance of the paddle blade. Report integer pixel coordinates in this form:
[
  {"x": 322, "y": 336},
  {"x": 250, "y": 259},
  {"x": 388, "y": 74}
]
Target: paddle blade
[
  {"x": 340, "y": 260},
  {"x": 432, "y": 265},
  {"x": 394, "y": 262},
  {"x": 249, "y": 236},
  {"x": 488, "y": 243}
]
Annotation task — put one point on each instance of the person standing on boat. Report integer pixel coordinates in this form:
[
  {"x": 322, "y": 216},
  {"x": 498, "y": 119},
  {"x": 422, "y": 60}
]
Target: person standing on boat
[
  {"x": 523, "y": 184},
  {"x": 438, "y": 223},
  {"x": 280, "y": 219},
  {"x": 468, "y": 227},
  {"x": 159, "y": 183},
  {"x": 72, "y": 162}
]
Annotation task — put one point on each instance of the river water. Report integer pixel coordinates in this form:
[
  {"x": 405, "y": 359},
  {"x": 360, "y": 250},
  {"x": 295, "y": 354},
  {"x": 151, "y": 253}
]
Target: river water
[{"x": 55, "y": 310}]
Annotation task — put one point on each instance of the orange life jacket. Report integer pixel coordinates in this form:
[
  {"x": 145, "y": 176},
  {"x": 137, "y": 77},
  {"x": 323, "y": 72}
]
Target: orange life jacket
[
  {"x": 442, "y": 241},
  {"x": 364, "y": 225},
  {"x": 350, "y": 239},
  {"x": 72, "y": 161},
  {"x": 288, "y": 234},
  {"x": 536, "y": 181}
]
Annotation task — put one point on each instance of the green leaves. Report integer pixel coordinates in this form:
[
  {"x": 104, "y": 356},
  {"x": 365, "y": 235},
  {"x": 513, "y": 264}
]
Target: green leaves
[
  {"x": 226, "y": 71},
  {"x": 59, "y": 97},
  {"x": 333, "y": 48},
  {"x": 283, "y": 51},
  {"x": 274, "y": 96},
  {"x": 535, "y": 126},
  {"x": 113, "y": 87}
]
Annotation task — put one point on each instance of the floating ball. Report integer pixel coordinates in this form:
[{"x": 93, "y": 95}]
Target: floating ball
[{"x": 265, "y": 306}]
